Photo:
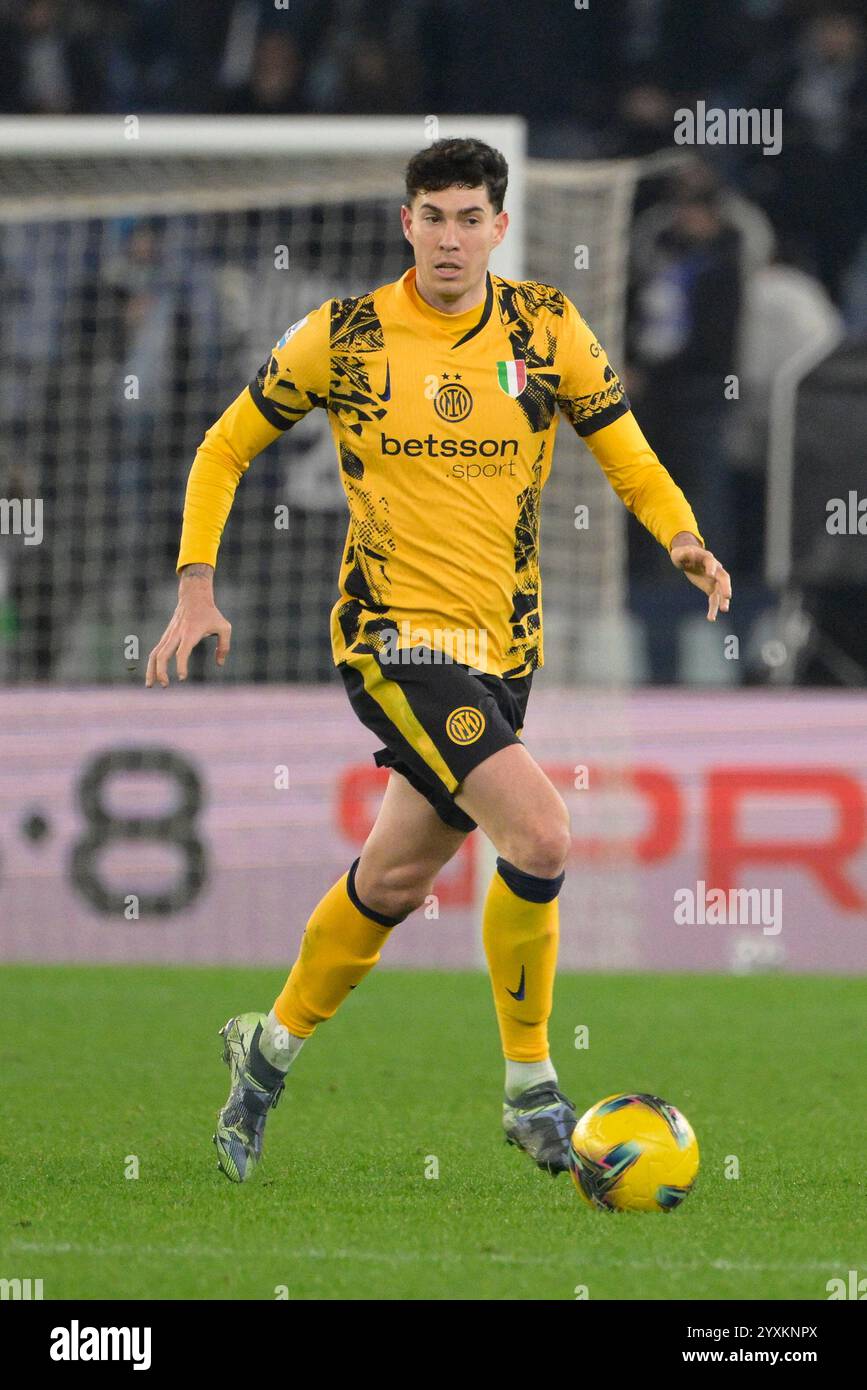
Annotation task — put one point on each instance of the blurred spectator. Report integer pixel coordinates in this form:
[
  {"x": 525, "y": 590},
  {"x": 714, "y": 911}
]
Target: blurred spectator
[
  {"x": 368, "y": 61},
  {"x": 275, "y": 82},
  {"x": 50, "y": 63},
  {"x": 371, "y": 83},
  {"x": 683, "y": 345},
  {"x": 816, "y": 185},
  {"x": 532, "y": 59},
  {"x": 644, "y": 122},
  {"x": 787, "y": 312},
  {"x": 695, "y": 48}
]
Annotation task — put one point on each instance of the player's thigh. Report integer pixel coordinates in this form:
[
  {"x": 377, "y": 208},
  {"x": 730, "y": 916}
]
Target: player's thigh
[
  {"x": 408, "y": 844},
  {"x": 519, "y": 808}
]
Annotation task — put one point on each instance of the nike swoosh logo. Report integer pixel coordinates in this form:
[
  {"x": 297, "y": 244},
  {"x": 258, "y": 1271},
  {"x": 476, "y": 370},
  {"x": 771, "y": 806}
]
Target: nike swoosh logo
[
  {"x": 386, "y": 393},
  {"x": 519, "y": 992}
]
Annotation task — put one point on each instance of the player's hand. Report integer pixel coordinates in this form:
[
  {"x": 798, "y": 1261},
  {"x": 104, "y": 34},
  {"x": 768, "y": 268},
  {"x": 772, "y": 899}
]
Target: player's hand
[
  {"x": 195, "y": 617},
  {"x": 705, "y": 571}
]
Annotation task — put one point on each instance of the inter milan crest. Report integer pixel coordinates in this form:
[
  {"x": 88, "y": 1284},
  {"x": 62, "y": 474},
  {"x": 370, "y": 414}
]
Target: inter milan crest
[
  {"x": 452, "y": 401},
  {"x": 465, "y": 724},
  {"x": 512, "y": 376}
]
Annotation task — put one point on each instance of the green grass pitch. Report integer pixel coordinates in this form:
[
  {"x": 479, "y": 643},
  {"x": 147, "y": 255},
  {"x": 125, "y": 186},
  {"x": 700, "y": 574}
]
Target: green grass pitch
[{"x": 99, "y": 1064}]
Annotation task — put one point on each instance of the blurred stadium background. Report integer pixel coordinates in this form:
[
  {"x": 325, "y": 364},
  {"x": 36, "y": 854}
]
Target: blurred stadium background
[{"x": 178, "y": 182}]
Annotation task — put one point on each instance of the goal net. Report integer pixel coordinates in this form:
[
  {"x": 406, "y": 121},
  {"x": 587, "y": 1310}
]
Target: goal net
[{"x": 147, "y": 272}]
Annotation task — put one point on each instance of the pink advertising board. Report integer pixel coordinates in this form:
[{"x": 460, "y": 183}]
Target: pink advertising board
[{"x": 712, "y": 831}]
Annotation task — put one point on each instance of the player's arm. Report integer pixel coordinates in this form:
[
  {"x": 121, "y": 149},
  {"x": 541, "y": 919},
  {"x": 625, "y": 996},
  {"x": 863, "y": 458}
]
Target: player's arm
[
  {"x": 652, "y": 495},
  {"x": 593, "y": 400},
  {"x": 287, "y": 386}
]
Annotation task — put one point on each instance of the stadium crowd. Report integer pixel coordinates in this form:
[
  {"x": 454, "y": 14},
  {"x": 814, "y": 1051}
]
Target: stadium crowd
[{"x": 595, "y": 81}]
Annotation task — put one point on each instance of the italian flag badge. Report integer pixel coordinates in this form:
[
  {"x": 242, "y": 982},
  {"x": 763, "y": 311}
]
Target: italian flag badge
[{"x": 512, "y": 376}]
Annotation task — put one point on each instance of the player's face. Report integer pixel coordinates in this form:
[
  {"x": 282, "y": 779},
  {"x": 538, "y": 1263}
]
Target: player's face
[{"x": 453, "y": 233}]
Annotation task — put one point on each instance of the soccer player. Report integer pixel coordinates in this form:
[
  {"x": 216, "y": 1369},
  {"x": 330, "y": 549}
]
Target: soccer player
[{"x": 442, "y": 391}]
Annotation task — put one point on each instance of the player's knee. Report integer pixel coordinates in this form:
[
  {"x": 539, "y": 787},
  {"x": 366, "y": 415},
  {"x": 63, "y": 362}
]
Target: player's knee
[
  {"x": 542, "y": 847},
  {"x": 400, "y": 889}
]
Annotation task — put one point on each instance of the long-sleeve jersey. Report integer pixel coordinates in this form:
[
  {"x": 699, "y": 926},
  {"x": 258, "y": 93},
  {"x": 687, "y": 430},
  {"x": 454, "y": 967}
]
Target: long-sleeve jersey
[{"x": 444, "y": 427}]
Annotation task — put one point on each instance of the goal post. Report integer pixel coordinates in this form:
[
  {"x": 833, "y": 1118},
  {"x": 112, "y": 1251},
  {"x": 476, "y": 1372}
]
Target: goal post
[{"x": 346, "y": 145}]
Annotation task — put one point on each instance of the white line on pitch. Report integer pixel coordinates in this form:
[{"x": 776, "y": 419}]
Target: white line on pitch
[{"x": 585, "y": 1261}]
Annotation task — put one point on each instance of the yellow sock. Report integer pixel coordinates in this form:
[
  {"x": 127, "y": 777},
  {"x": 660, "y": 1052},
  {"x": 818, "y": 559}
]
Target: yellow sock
[
  {"x": 341, "y": 943},
  {"x": 520, "y": 936}
]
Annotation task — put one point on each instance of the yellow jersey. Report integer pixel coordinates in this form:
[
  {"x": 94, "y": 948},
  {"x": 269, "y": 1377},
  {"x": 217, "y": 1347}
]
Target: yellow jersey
[{"x": 444, "y": 428}]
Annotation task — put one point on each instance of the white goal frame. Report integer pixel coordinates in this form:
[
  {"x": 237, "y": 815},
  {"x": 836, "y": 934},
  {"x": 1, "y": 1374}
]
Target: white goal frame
[{"x": 95, "y": 137}]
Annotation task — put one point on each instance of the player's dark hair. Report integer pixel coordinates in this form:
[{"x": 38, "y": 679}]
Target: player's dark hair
[{"x": 448, "y": 162}]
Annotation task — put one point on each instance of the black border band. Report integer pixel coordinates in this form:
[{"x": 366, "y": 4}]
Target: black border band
[
  {"x": 529, "y": 886},
  {"x": 378, "y": 917}
]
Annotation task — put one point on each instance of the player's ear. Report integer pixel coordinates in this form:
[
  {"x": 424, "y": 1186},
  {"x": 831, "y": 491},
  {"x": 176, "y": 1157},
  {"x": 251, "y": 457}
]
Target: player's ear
[
  {"x": 406, "y": 221},
  {"x": 501, "y": 226}
]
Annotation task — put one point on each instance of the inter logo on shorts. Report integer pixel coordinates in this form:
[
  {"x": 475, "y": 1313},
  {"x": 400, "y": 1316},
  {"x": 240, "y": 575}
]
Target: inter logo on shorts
[
  {"x": 453, "y": 402},
  {"x": 512, "y": 376},
  {"x": 465, "y": 724}
]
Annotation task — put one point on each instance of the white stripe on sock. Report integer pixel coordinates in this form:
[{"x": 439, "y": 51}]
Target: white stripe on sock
[
  {"x": 277, "y": 1045},
  {"x": 520, "y": 1076}
]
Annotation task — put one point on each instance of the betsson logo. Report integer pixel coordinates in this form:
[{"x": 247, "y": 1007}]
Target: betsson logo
[{"x": 448, "y": 448}]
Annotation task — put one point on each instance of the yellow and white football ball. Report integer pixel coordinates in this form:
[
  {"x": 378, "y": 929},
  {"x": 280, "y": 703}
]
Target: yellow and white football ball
[{"x": 633, "y": 1152}]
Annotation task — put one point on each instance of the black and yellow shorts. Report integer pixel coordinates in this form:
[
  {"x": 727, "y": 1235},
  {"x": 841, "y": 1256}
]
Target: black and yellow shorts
[{"x": 437, "y": 719}]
